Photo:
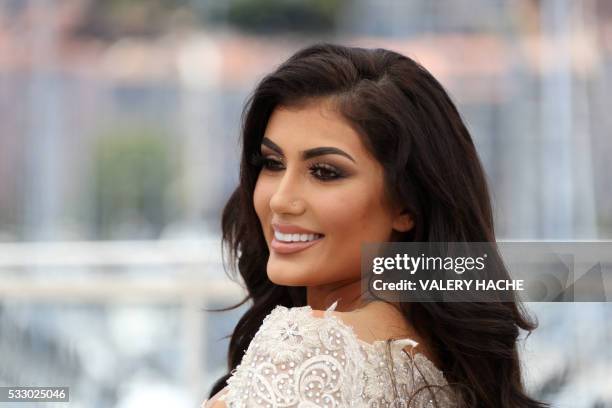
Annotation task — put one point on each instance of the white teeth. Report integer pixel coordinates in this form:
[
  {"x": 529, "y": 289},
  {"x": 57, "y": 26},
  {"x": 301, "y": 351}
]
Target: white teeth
[{"x": 295, "y": 237}]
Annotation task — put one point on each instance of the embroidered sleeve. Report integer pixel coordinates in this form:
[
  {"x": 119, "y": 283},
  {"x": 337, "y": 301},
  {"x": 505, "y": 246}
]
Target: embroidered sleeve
[
  {"x": 411, "y": 381},
  {"x": 298, "y": 360}
]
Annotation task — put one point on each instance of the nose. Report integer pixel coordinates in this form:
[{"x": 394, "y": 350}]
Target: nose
[{"x": 287, "y": 199}]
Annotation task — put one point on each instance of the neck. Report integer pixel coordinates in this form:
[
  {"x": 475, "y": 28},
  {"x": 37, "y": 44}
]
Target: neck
[{"x": 348, "y": 294}]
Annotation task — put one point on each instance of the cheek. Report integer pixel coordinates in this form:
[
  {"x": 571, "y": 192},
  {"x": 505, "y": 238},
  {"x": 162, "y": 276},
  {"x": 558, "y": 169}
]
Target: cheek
[
  {"x": 349, "y": 222},
  {"x": 261, "y": 198},
  {"x": 345, "y": 229},
  {"x": 355, "y": 217},
  {"x": 344, "y": 214}
]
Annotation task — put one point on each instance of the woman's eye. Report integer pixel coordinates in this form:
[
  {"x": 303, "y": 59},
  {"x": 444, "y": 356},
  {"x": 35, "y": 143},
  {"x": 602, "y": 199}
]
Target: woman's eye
[
  {"x": 321, "y": 171},
  {"x": 272, "y": 164},
  {"x": 325, "y": 172},
  {"x": 267, "y": 163}
]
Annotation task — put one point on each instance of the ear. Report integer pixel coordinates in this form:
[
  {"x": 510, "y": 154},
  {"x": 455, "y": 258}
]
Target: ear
[{"x": 403, "y": 222}]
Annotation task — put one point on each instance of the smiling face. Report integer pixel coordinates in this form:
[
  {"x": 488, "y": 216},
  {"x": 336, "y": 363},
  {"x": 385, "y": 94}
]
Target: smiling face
[{"x": 318, "y": 176}]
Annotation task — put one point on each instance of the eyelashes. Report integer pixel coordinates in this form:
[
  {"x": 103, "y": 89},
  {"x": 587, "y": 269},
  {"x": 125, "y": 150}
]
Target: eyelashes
[
  {"x": 321, "y": 171},
  {"x": 258, "y": 160}
]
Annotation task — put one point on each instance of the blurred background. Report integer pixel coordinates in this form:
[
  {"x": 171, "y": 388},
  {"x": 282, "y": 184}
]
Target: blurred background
[{"x": 119, "y": 127}]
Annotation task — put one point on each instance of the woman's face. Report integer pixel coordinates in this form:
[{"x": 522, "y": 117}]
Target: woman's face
[{"x": 318, "y": 177}]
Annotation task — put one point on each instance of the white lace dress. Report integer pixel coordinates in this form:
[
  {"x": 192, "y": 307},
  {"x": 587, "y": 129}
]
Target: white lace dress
[{"x": 300, "y": 360}]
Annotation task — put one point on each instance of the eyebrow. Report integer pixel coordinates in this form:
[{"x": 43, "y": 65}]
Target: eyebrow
[{"x": 310, "y": 153}]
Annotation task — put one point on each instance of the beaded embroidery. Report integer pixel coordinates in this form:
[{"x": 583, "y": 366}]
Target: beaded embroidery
[{"x": 299, "y": 360}]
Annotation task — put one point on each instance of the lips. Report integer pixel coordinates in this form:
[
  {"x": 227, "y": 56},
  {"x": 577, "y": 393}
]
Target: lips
[
  {"x": 292, "y": 247},
  {"x": 292, "y": 229}
]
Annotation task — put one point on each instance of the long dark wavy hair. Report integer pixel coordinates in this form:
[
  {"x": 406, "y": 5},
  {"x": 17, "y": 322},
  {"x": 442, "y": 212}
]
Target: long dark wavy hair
[{"x": 407, "y": 121}]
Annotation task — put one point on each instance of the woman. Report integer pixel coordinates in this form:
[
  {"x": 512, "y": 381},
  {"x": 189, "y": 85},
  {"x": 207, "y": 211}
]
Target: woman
[{"x": 343, "y": 146}]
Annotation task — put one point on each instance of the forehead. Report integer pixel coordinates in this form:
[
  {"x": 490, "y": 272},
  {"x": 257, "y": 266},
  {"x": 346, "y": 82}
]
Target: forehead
[{"x": 317, "y": 123}]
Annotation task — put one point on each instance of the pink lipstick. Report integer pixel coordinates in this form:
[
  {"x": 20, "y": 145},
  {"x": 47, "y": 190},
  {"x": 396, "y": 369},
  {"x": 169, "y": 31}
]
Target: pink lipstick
[{"x": 292, "y": 247}]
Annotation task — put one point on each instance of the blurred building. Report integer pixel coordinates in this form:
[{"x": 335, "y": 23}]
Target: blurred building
[
  {"x": 120, "y": 120},
  {"x": 530, "y": 79}
]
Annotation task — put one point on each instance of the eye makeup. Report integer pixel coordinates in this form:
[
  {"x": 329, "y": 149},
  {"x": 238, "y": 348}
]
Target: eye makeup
[{"x": 320, "y": 170}]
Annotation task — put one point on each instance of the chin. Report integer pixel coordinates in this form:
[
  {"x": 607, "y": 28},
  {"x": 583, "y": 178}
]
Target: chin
[{"x": 287, "y": 276}]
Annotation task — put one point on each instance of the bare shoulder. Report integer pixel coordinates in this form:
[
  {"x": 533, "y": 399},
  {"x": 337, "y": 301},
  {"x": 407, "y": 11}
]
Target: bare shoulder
[
  {"x": 214, "y": 404},
  {"x": 217, "y": 400}
]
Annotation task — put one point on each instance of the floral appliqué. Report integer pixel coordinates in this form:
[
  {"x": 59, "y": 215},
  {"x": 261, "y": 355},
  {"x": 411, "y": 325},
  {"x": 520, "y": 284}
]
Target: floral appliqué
[{"x": 293, "y": 334}]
